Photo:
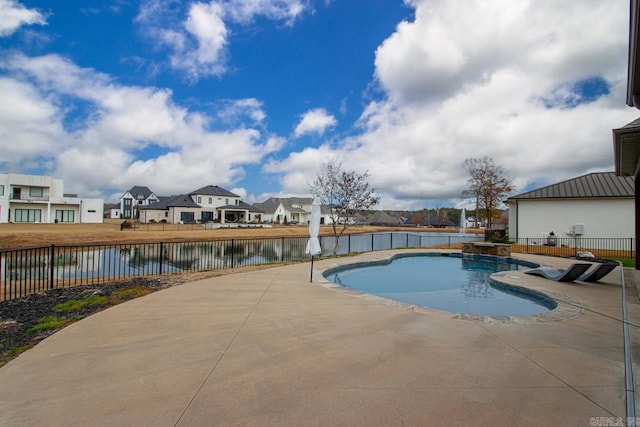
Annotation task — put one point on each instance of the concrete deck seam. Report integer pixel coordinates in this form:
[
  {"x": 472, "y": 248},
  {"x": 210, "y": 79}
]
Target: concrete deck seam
[
  {"x": 224, "y": 352},
  {"x": 628, "y": 357},
  {"x": 546, "y": 370}
]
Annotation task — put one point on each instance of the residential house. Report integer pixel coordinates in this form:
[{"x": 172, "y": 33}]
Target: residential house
[
  {"x": 219, "y": 204},
  {"x": 135, "y": 198},
  {"x": 592, "y": 205},
  {"x": 40, "y": 199},
  {"x": 112, "y": 210},
  {"x": 382, "y": 218},
  {"x": 176, "y": 209},
  {"x": 207, "y": 204},
  {"x": 291, "y": 210}
]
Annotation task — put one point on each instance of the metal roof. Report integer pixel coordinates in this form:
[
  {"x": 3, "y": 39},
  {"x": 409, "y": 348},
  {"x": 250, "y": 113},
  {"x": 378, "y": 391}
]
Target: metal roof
[{"x": 593, "y": 185}]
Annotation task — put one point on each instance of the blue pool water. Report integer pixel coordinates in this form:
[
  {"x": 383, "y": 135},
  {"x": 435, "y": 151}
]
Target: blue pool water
[{"x": 451, "y": 283}]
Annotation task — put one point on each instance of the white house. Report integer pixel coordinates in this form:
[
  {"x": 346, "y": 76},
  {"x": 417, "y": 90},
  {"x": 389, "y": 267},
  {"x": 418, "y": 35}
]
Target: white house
[
  {"x": 40, "y": 199},
  {"x": 207, "y": 204},
  {"x": 135, "y": 198},
  {"x": 174, "y": 210},
  {"x": 290, "y": 210},
  {"x": 592, "y": 205}
]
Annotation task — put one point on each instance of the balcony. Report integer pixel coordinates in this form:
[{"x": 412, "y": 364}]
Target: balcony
[{"x": 29, "y": 199}]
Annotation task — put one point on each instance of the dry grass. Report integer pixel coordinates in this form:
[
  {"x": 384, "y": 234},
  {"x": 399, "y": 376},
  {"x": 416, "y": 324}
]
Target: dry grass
[{"x": 13, "y": 236}]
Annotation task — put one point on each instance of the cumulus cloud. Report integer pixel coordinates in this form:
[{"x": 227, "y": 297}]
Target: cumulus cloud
[
  {"x": 501, "y": 79},
  {"x": 14, "y": 15},
  {"x": 198, "y": 40},
  {"x": 315, "y": 121},
  {"x": 101, "y": 149}
]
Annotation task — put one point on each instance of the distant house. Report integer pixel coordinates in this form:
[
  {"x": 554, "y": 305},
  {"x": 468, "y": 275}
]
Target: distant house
[
  {"x": 290, "y": 210},
  {"x": 207, "y": 204},
  {"x": 40, "y": 199},
  {"x": 176, "y": 209},
  {"x": 112, "y": 210},
  {"x": 136, "y": 197},
  {"x": 382, "y": 218},
  {"x": 592, "y": 205},
  {"x": 219, "y": 204}
]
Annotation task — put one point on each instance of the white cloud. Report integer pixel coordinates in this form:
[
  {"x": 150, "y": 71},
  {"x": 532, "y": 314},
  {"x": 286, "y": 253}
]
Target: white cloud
[
  {"x": 315, "y": 121},
  {"x": 244, "y": 11},
  {"x": 29, "y": 122},
  {"x": 199, "y": 40},
  {"x": 101, "y": 150},
  {"x": 14, "y": 15},
  {"x": 249, "y": 107},
  {"x": 490, "y": 79}
]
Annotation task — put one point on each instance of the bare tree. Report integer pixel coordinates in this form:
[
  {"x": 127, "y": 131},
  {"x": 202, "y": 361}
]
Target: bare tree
[
  {"x": 345, "y": 193},
  {"x": 488, "y": 183},
  {"x": 416, "y": 219}
]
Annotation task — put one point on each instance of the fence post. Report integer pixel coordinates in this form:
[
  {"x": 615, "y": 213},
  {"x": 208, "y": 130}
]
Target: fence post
[
  {"x": 631, "y": 248},
  {"x": 371, "y": 242},
  {"x": 449, "y": 238},
  {"x": 161, "y": 259},
  {"x": 349, "y": 244},
  {"x": 527, "y": 245},
  {"x": 52, "y": 258},
  {"x": 232, "y": 252},
  {"x": 407, "y": 245},
  {"x": 282, "y": 249}
]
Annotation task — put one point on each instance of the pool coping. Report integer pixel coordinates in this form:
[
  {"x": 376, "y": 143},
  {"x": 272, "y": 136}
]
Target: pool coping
[{"x": 565, "y": 309}]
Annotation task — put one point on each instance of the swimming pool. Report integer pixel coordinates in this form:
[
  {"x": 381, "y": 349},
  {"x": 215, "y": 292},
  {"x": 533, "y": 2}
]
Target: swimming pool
[{"x": 448, "y": 282}]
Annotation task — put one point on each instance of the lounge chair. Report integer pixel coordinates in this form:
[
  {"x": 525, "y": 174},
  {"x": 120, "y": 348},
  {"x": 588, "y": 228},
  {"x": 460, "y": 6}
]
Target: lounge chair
[
  {"x": 560, "y": 275},
  {"x": 598, "y": 272}
]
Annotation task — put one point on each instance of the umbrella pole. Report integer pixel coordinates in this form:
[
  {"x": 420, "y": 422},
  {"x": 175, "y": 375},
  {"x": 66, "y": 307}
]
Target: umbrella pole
[{"x": 311, "y": 275}]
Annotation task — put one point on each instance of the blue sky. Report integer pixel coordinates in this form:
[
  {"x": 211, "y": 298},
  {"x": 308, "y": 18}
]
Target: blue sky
[{"x": 253, "y": 95}]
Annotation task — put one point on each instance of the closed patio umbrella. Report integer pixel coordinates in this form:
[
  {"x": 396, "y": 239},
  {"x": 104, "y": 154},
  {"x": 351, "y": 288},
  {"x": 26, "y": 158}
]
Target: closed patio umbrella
[{"x": 313, "y": 245}]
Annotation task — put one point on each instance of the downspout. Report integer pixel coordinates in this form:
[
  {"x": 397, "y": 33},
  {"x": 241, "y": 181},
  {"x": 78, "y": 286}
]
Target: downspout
[
  {"x": 637, "y": 219},
  {"x": 517, "y": 221}
]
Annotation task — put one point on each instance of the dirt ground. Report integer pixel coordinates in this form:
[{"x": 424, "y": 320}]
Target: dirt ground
[{"x": 13, "y": 236}]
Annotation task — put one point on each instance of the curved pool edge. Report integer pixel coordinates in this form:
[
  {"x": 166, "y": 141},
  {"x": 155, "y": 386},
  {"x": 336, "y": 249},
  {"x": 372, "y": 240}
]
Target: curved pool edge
[{"x": 565, "y": 309}]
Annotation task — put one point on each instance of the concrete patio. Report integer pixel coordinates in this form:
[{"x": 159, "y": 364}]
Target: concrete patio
[{"x": 268, "y": 348}]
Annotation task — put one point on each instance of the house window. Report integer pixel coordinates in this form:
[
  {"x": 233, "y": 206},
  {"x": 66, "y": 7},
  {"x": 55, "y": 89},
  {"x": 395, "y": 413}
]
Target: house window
[
  {"x": 140, "y": 202},
  {"x": 226, "y": 201},
  {"x": 199, "y": 199},
  {"x": 28, "y": 215},
  {"x": 65, "y": 216},
  {"x": 210, "y": 200},
  {"x": 127, "y": 202},
  {"x": 166, "y": 214},
  {"x": 237, "y": 202},
  {"x": 1, "y": 190},
  {"x": 35, "y": 191},
  {"x": 187, "y": 216}
]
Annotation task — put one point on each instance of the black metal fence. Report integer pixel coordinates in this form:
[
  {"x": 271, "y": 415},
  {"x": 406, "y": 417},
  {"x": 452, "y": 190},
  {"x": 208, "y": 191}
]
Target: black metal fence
[
  {"x": 27, "y": 271},
  {"x": 573, "y": 246}
]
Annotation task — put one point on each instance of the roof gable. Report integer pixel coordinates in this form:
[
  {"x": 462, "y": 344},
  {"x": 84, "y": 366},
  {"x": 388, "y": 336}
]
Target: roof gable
[
  {"x": 181, "y": 201},
  {"x": 140, "y": 192},
  {"x": 270, "y": 205},
  {"x": 593, "y": 185}
]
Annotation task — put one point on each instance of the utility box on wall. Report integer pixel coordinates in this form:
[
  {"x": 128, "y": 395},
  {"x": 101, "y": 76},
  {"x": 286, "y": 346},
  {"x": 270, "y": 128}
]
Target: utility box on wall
[{"x": 578, "y": 229}]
